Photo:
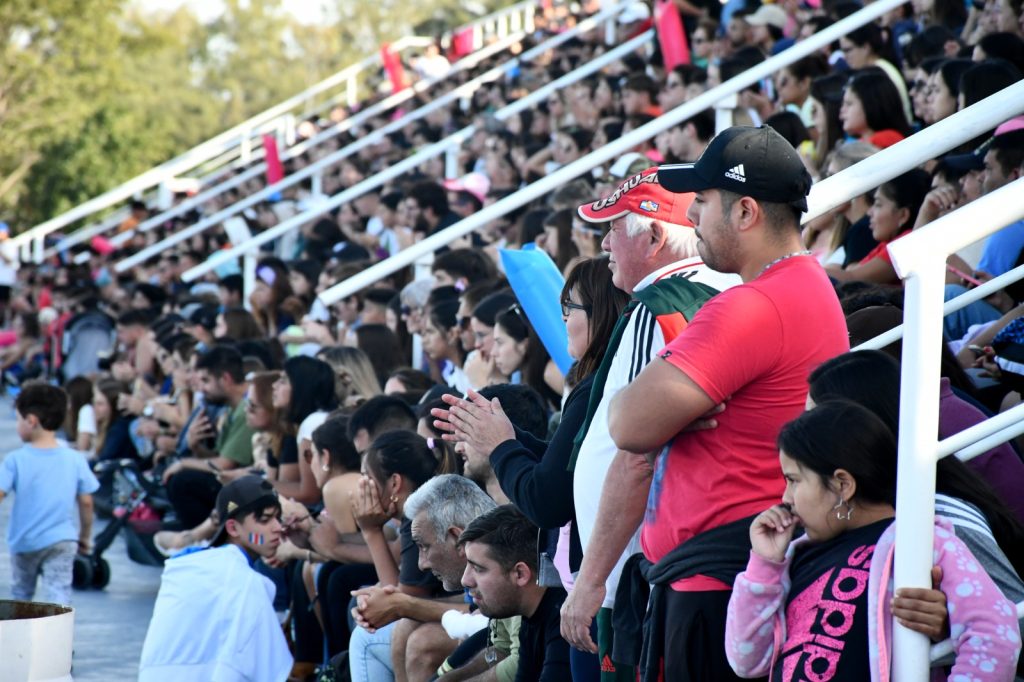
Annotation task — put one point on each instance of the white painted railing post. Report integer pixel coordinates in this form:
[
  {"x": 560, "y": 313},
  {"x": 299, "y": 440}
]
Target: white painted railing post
[
  {"x": 245, "y": 146},
  {"x": 918, "y": 445},
  {"x": 351, "y": 96},
  {"x": 724, "y": 109},
  {"x": 249, "y": 261},
  {"x": 451, "y": 162}
]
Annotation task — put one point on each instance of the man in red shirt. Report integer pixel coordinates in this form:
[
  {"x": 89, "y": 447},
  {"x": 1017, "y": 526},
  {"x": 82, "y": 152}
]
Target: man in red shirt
[{"x": 751, "y": 348}]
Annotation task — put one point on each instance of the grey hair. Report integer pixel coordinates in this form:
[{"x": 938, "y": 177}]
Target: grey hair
[
  {"x": 448, "y": 500},
  {"x": 682, "y": 240},
  {"x": 415, "y": 294}
]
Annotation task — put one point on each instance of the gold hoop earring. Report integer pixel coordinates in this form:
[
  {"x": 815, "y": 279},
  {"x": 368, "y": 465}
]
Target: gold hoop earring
[{"x": 842, "y": 515}]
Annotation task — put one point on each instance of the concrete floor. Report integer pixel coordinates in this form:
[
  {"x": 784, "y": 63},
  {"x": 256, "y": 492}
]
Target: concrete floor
[{"x": 110, "y": 625}]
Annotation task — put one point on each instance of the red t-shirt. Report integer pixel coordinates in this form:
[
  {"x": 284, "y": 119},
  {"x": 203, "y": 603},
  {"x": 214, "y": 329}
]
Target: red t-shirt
[
  {"x": 755, "y": 345},
  {"x": 882, "y": 250}
]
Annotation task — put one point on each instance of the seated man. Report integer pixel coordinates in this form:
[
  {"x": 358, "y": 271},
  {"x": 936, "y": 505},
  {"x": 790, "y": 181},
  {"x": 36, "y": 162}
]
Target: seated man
[
  {"x": 501, "y": 576},
  {"x": 438, "y": 510},
  {"x": 214, "y": 617},
  {"x": 192, "y": 484}
]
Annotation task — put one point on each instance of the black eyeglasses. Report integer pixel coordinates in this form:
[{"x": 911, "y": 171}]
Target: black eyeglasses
[{"x": 569, "y": 306}]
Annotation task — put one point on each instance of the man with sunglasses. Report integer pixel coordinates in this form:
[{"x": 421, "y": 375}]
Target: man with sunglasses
[{"x": 653, "y": 256}]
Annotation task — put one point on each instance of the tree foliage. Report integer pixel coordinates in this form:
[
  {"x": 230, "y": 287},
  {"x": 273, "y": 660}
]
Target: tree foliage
[{"x": 94, "y": 93}]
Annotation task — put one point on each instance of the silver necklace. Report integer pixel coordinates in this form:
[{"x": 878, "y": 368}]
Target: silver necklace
[{"x": 778, "y": 260}]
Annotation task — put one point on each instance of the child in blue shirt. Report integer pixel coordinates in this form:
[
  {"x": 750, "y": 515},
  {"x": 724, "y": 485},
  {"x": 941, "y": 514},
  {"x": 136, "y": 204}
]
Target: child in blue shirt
[{"x": 49, "y": 481}]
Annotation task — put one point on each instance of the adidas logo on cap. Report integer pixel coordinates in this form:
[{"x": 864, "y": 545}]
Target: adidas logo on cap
[{"x": 736, "y": 173}]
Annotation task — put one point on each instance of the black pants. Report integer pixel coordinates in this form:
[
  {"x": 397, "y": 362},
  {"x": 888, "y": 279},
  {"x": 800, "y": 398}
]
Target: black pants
[
  {"x": 193, "y": 495},
  {"x": 309, "y": 638},
  {"x": 334, "y": 585},
  {"x": 695, "y": 637}
]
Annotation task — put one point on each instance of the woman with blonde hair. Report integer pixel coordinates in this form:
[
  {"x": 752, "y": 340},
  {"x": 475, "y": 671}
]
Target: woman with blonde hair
[{"x": 355, "y": 380}]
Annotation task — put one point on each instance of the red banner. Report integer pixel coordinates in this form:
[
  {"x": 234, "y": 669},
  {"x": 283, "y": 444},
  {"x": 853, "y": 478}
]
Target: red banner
[
  {"x": 462, "y": 43},
  {"x": 275, "y": 171},
  {"x": 393, "y": 66},
  {"x": 672, "y": 37}
]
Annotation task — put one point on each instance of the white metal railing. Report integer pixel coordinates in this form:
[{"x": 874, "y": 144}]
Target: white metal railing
[
  {"x": 315, "y": 170},
  {"x": 516, "y": 18},
  {"x": 255, "y": 170},
  {"x": 920, "y": 260},
  {"x": 429, "y": 152},
  {"x": 233, "y": 138},
  {"x": 612, "y": 150}
]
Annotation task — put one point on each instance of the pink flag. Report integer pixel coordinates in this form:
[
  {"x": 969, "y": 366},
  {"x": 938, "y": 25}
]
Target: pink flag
[
  {"x": 275, "y": 171},
  {"x": 393, "y": 66},
  {"x": 671, "y": 35},
  {"x": 462, "y": 43}
]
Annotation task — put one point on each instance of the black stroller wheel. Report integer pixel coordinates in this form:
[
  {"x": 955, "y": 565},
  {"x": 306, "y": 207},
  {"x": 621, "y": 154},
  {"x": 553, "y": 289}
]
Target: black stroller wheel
[
  {"x": 82, "y": 572},
  {"x": 101, "y": 574}
]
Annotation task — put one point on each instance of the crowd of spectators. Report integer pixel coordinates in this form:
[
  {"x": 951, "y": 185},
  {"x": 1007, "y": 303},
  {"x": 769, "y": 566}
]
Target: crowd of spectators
[{"x": 469, "y": 512}]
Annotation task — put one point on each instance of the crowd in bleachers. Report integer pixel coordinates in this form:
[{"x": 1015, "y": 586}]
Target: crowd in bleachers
[{"x": 472, "y": 512}]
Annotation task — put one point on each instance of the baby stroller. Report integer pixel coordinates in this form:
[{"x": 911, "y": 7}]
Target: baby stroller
[
  {"x": 88, "y": 336},
  {"x": 138, "y": 504}
]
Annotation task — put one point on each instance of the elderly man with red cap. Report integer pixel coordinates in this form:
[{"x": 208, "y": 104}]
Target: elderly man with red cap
[
  {"x": 752, "y": 348},
  {"x": 653, "y": 256}
]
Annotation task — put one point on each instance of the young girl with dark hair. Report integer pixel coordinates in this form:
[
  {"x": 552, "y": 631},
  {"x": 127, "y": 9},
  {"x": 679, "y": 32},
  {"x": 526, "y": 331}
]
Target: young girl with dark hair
[
  {"x": 114, "y": 439},
  {"x": 520, "y": 355},
  {"x": 892, "y": 215},
  {"x": 872, "y": 110},
  {"x": 823, "y": 602},
  {"x": 394, "y": 467},
  {"x": 304, "y": 393},
  {"x": 441, "y": 343}
]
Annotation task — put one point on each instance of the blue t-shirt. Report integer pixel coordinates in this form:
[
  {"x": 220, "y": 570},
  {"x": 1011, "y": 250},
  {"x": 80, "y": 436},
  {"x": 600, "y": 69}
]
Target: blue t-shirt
[
  {"x": 1003, "y": 249},
  {"x": 46, "y": 483}
]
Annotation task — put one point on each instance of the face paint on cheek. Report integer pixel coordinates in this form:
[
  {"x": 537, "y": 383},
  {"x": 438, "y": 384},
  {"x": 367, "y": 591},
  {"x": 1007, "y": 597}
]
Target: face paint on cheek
[{"x": 257, "y": 539}]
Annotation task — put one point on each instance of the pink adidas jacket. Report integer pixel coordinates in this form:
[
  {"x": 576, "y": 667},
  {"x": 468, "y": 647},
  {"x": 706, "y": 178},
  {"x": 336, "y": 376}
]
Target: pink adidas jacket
[{"x": 986, "y": 636}]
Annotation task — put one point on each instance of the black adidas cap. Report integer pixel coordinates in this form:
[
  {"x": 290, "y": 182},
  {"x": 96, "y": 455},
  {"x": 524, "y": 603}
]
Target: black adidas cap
[{"x": 754, "y": 162}]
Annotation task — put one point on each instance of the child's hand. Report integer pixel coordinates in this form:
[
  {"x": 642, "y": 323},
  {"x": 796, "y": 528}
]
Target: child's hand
[
  {"x": 85, "y": 547},
  {"x": 923, "y": 610},
  {"x": 771, "y": 532}
]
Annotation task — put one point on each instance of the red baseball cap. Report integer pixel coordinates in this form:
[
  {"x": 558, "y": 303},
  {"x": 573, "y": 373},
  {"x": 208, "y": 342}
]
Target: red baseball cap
[{"x": 641, "y": 194}]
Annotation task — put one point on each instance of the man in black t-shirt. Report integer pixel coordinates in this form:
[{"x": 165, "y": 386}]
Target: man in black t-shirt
[{"x": 501, "y": 576}]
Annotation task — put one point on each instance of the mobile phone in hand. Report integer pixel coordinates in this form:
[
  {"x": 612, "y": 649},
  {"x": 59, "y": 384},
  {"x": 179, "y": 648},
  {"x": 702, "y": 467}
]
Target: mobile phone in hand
[{"x": 964, "y": 276}]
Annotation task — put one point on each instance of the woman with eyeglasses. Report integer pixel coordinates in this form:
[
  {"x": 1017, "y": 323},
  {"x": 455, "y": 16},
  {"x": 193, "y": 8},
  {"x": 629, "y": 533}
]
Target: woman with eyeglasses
[{"x": 535, "y": 474}]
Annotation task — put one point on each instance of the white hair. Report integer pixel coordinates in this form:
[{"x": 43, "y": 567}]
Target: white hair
[
  {"x": 448, "y": 500},
  {"x": 415, "y": 293},
  {"x": 680, "y": 239}
]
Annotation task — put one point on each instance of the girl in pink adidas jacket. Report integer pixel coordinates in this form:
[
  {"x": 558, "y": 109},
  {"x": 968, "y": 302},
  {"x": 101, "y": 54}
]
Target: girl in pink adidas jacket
[{"x": 818, "y": 608}]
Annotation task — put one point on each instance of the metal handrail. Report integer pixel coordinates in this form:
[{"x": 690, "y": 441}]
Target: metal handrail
[
  {"x": 235, "y": 137},
  {"x": 951, "y": 306},
  {"x": 411, "y": 162},
  {"x": 351, "y": 122},
  {"x": 231, "y": 138},
  {"x": 613, "y": 149},
  {"x": 313, "y": 169},
  {"x": 920, "y": 260}
]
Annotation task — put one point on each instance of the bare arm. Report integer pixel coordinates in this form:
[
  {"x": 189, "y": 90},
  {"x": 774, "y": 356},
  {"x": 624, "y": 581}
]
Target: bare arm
[
  {"x": 303, "y": 490},
  {"x": 663, "y": 399},
  {"x": 623, "y": 500},
  {"x": 85, "y": 522},
  {"x": 876, "y": 271}
]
